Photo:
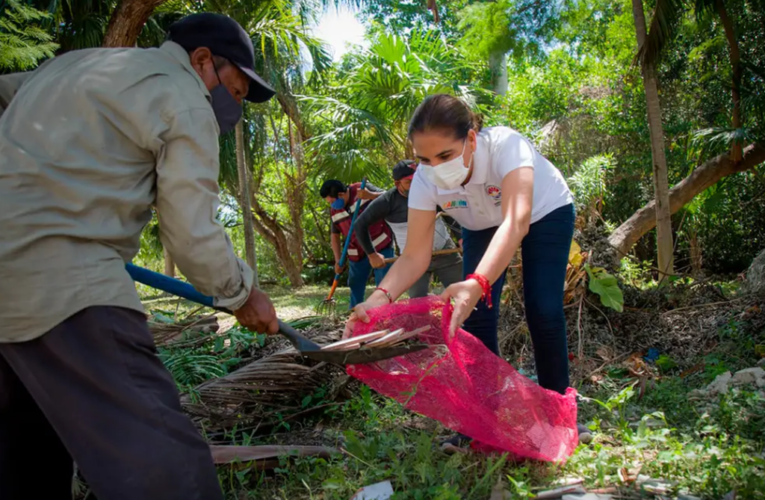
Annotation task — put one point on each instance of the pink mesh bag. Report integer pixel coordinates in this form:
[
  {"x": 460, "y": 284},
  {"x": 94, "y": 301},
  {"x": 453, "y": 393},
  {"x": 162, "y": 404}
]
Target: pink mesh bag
[{"x": 469, "y": 389}]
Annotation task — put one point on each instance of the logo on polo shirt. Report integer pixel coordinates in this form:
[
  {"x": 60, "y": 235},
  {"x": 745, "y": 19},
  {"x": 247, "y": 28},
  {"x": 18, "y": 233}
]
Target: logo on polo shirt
[
  {"x": 455, "y": 204},
  {"x": 495, "y": 193}
]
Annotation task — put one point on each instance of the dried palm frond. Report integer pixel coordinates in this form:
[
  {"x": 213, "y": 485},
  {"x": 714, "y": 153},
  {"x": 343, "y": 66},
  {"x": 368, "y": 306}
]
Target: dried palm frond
[
  {"x": 259, "y": 393},
  {"x": 164, "y": 333}
]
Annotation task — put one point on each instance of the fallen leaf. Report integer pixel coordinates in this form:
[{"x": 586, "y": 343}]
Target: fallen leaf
[{"x": 575, "y": 254}]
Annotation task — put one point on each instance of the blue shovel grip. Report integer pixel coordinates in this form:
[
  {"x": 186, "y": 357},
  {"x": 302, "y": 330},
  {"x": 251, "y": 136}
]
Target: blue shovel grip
[{"x": 168, "y": 284}]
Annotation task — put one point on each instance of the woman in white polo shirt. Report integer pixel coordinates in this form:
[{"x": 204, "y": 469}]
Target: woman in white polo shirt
[{"x": 505, "y": 195}]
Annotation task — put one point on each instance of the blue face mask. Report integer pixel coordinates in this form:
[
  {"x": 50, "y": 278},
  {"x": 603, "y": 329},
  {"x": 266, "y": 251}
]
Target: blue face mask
[{"x": 338, "y": 204}]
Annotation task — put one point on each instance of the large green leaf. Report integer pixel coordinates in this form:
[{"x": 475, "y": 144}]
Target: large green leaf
[{"x": 606, "y": 286}]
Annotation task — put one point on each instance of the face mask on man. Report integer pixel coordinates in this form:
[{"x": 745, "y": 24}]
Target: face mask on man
[
  {"x": 449, "y": 174},
  {"x": 227, "y": 110},
  {"x": 338, "y": 204}
]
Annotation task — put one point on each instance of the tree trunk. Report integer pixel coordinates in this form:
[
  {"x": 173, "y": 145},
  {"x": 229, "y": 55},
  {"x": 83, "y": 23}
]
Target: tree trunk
[
  {"x": 735, "y": 62},
  {"x": 296, "y": 198},
  {"x": 286, "y": 237},
  {"x": 169, "y": 264},
  {"x": 498, "y": 67},
  {"x": 660, "y": 181},
  {"x": 127, "y": 21},
  {"x": 275, "y": 234},
  {"x": 244, "y": 200},
  {"x": 704, "y": 176}
]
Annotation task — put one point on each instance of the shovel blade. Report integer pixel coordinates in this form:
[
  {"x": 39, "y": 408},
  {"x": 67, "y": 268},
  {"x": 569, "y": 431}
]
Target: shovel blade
[{"x": 362, "y": 356}]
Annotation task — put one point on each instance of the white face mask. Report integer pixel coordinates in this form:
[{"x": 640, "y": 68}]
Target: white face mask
[{"x": 449, "y": 174}]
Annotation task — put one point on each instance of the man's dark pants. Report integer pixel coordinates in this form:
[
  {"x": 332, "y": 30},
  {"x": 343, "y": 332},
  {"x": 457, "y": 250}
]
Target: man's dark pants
[{"x": 94, "y": 391}]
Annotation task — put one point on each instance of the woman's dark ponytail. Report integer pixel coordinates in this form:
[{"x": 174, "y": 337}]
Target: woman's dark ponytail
[{"x": 445, "y": 113}]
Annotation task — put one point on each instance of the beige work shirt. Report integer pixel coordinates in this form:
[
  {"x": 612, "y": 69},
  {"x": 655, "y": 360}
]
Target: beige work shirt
[{"x": 91, "y": 140}]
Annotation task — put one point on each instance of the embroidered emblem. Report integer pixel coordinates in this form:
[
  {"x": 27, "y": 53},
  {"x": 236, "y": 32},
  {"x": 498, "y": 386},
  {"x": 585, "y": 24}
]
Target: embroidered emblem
[
  {"x": 495, "y": 193},
  {"x": 455, "y": 204}
]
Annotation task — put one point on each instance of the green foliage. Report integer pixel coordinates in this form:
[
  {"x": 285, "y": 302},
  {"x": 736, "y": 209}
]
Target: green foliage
[
  {"x": 636, "y": 274},
  {"x": 517, "y": 26},
  {"x": 191, "y": 369},
  {"x": 665, "y": 363},
  {"x": 23, "y": 41},
  {"x": 487, "y": 27},
  {"x": 396, "y": 16},
  {"x": 363, "y": 115},
  {"x": 606, "y": 286},
  {"x": 573, "y": 88},
  {"x": 742, "y": 413},
  {"x": 588, "y": 184}
]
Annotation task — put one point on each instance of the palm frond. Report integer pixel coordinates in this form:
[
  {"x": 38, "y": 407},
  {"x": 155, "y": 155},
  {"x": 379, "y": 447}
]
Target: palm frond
[
  {"x": 713, "y": 141},
  {"x": 663, "y": 28},
  {"x": 704, "y": 8}
]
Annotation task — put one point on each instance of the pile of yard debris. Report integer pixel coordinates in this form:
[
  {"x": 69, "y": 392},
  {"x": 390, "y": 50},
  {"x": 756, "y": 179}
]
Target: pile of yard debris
[
  {"x": 681, "y": 322},
  {"x": 269, "y": 385}
]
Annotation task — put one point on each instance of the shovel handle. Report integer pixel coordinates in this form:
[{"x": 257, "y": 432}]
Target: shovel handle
[
  {"x": 188, "y": 292},
  {"x": 448, "y": 251}
]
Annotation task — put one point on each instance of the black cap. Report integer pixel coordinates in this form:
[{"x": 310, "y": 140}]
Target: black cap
[
  {"x": 225, "y": 38},
  {"x": 404, "y": 168}
]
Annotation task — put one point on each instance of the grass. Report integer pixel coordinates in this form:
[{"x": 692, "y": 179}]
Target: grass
[
  {"x": 290, "y": 304},
  {"x": 708, "y": 455},
  {"x": 704, "y": 448}
]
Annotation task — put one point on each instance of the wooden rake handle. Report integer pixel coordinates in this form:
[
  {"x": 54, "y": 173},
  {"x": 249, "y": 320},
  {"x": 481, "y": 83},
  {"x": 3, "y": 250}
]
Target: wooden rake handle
[{"x": 448, "y": 251}]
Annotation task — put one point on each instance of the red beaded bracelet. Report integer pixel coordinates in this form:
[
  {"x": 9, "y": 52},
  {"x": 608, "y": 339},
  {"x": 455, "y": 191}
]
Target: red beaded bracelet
[
  {"x": 387, "y": 294},
  {"x": 485, "y": 286}
]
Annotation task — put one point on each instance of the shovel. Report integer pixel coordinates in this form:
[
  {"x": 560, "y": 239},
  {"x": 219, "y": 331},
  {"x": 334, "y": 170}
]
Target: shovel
[{"x": 305, "y": 347}]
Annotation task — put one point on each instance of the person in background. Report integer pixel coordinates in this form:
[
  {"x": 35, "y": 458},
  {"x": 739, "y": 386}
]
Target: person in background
[
  {"x": 342, "y": 202},
  {"x": 392, "y": 208},
  {"x": 506, "y": 196},
  {"x": 89, "y": 142}
]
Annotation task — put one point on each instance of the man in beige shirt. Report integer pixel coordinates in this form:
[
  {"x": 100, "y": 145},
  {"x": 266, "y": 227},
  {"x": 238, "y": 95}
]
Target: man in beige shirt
[{"x": 88, "y": 143}]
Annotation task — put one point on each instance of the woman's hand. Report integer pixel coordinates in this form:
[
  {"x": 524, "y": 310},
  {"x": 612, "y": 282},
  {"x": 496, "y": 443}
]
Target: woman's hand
[
  {"x": 360, "y": 311},
  {"x": 466, "y": 295}
]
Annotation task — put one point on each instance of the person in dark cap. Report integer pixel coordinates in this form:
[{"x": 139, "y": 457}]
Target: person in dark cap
[
  {"x": 392, "y": 207},
  {"x": 90, "y": 142}
]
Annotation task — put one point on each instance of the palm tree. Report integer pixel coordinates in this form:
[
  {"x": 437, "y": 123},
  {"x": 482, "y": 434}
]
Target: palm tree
[
  {"x": 660, "y": 176},
  {"x": 664, "y": 24},
  {"x": 666, "y": 18},
  {"x": 365, "y": 115},
  {"x": 278, "y": 35}
]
